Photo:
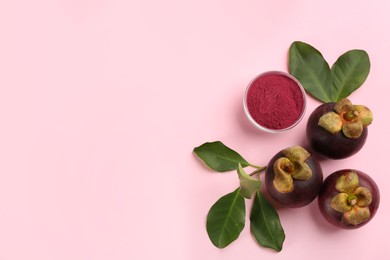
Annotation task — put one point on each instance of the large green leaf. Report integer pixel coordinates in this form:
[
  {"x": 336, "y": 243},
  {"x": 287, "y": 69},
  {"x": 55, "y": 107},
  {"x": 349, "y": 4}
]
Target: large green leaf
[
  {"x": 219, "y": 157},
  {"x": 349, "y": 72},
  {"x": 265, "y": 224},
  {"x": 311, "y": 69},
  {"x": 248, "y": 184},
  {"x": 226, "y": 219}
]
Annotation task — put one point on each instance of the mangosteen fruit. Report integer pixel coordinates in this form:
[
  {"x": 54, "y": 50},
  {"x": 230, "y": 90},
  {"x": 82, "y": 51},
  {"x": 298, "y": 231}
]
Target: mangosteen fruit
[
  {"x": 348, "y": 199},
  {"x": 338, "y": 130},
  {"x": 293, "y": 177}
]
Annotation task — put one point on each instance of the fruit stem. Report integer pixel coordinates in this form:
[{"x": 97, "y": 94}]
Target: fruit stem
[
  {"x": 350, "y": 115},
  {"x": 255, "y": 166},
  {"x": 352, "y": 199},
  {"x": 258, "y": 170}
]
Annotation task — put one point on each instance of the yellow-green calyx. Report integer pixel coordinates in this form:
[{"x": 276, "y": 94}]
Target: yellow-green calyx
[
  {"x": 346, "y": 117},
  {"x": 291, "y": 166},
  {"x": 353, "y": 200}
]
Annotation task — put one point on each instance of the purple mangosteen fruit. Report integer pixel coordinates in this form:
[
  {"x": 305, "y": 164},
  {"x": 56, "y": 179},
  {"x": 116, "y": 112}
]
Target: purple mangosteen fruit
[
  {"x": 338, "y": 130},
  {"x": 348, "y": 199},
  {"x": 293, "y": 177}
]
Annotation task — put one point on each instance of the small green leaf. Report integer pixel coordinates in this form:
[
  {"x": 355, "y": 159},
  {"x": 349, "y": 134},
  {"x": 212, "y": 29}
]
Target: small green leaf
[
  {"x": 349, "y": 72},
  {"x": 309, "y": 66},
  {"x": 219, "y": 157},
  {"x": 226, "y": 219},
  {"x": 265, "y": 224},
  {"x": 248, "y": 184}
]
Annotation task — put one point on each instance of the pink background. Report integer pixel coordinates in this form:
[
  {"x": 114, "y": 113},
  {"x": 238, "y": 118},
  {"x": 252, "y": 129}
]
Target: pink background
[{"x": 102, "y": 102}]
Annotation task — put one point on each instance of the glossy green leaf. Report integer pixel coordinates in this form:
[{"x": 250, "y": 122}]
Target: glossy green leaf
[
  {"x": 326, "y": 84},
  {"x": 219, "y": 157},
  {"x": 349, "y": 72},
  {"x": 226, "y": 219},
  {"x": 311, "y": 69},
  {"x": 265, "y": 224},
  {"x": 248, "y": 184}
]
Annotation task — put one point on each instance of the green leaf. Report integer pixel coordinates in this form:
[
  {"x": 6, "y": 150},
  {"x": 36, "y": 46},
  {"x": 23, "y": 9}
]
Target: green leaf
[
  {"x": 226, "y": 219},
  {"x": 219, "y": 157},
  {"x": 311, "y": 69},
  {"x": 248, "y": 184},
  {"x": 265, "y": 224},
  {"x": 349, "y": 72}
]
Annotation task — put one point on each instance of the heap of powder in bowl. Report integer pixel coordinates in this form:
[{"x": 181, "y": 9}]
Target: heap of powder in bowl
[{"x": 274, "y": 101}]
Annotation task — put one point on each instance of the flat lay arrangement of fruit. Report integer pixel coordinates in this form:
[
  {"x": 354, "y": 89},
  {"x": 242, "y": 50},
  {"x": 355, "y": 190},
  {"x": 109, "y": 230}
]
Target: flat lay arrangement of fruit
[{"x": 293, "y": 178}]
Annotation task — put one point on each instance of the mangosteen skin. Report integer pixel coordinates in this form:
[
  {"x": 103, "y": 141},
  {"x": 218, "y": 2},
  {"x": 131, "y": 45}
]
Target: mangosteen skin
[
  {"x": 305, "y": 191},
  {"x": 333, "y": 146},
  {"x": 328, "y": 191}
]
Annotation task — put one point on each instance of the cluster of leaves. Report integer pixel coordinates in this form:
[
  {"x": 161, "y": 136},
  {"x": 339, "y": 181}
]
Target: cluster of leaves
[
  {"x": 226, "y": 218},
  {"x": 325, "y": 83}
]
